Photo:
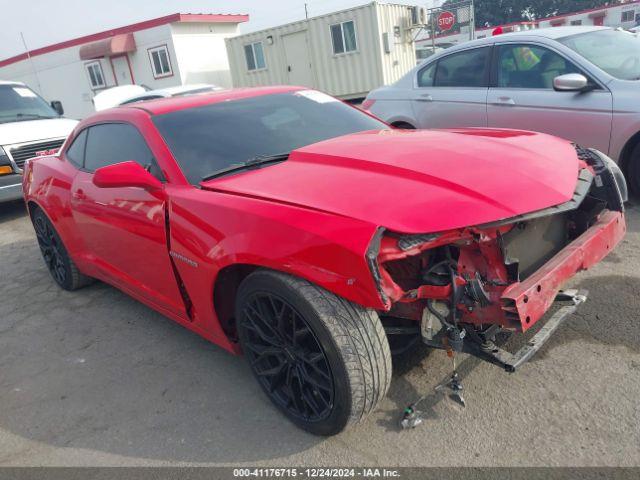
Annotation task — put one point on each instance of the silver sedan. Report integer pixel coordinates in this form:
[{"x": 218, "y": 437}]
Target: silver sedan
[{"x": 579, "y": 83}]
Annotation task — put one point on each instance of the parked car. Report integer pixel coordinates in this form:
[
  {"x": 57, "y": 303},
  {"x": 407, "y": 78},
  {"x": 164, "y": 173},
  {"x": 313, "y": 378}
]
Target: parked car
[
  {"x": 125, "y": 94},
  {"x": 579, "y": 83},
  {"x": 302, "y": 231},
  {"x": 29, "y": 126}
]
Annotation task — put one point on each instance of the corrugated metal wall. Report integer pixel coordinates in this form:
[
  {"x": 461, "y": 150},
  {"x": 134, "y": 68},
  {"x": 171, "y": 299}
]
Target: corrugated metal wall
[
  {"x": 403, "y": 55},
  {"x": 347, "y": 75}
]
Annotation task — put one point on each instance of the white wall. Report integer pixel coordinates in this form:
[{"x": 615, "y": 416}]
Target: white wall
[
  {"x": 201, "y": 52},
  {"x": 196, "y": 51}
]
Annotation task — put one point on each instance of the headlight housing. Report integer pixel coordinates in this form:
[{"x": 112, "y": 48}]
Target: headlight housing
[{"x": 617, "y": 174}]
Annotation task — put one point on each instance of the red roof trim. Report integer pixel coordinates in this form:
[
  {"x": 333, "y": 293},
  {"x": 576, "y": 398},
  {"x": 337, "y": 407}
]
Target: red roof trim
[
  {"x": 155, "y": 22},
  {"x": 581, "y": 12}
]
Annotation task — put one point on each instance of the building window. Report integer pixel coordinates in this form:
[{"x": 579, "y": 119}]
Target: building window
[
  {"x": 343, "y": 36},
  {"x": 628, "y": 16},
  {"x": 575, "y": 23},
  {"x": 255, "y": 56},
  {"x": 160, "y": 62},
  {"x": 96, "y": 77}
]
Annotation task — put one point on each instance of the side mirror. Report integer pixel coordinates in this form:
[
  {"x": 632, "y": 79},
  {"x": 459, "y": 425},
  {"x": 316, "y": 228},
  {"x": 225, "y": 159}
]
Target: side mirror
[
  {"x": 57, "y": 106},
  {"x": 571, "y": 82},
  {"x": 125, "y": 174}
]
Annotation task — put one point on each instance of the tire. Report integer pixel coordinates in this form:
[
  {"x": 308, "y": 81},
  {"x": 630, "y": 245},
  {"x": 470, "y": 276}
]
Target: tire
[
  {"x": 322, "y": 360},
  {"x": 63, "y": 270},
  {"x": 403, "y": 126},
  {"x": 633, "y": 170}
]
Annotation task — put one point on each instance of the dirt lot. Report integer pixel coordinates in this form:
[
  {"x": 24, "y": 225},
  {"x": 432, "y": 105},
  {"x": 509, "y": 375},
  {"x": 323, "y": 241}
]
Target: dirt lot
[{"x": 95, "y": 378}]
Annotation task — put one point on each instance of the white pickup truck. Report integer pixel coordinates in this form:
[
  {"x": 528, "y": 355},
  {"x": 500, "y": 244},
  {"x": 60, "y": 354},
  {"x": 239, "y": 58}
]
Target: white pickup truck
[{"x": 29, "y": 127}]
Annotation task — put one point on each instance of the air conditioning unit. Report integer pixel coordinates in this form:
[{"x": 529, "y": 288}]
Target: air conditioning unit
[{"x": 418, "y": 16}]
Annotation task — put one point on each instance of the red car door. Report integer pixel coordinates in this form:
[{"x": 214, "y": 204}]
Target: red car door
[{"x": 123, "y": 229}]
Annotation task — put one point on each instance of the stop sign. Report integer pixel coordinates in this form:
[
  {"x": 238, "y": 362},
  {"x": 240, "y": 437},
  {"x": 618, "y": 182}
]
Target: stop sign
[{"x": 446, "y": 21}]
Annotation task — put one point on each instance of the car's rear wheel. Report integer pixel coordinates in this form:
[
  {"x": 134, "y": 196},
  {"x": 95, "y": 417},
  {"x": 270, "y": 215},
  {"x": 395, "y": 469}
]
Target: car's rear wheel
[
  {"x": 63, "y": 270},
  {"x": 322, "y": 360}
]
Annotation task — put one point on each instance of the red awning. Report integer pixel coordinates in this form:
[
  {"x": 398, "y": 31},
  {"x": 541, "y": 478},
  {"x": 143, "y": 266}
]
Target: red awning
[{"x": 108, "y": 47}]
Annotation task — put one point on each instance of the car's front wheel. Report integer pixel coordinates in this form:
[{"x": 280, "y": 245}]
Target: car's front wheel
[{"x": 322, "y": 360}]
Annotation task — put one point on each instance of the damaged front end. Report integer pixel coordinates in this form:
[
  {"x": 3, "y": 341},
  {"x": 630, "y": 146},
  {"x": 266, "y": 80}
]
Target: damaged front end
[{"x": 457, "y": 290}]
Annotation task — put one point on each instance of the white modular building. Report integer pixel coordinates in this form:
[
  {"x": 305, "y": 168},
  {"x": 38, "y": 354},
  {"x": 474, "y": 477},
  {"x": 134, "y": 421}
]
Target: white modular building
[
  {"x": 163, "y": 52},
  {"x": 345, "y": 53}
]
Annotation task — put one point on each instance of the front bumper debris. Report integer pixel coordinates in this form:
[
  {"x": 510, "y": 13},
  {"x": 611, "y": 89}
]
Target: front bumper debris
[
  {"x": 510, "y": 362},
  {"x": 531, "y": 299}
]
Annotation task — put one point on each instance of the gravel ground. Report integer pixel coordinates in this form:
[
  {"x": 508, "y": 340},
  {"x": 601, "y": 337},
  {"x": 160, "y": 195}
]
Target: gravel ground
[{"x": 96, "y": 378}]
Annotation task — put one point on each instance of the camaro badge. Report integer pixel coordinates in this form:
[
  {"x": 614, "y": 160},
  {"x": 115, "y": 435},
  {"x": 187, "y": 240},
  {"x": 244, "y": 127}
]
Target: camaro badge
[{"x": 183, "y": 258}]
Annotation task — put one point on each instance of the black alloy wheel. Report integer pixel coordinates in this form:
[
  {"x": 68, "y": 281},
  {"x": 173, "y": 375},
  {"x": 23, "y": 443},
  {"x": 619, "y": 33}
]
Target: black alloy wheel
[
  {"x": 62, "y": 268},
  {"x": 323, "y": 361},
  {"x": 287, "y": 358},
  {"x": 52, "y": 251}
]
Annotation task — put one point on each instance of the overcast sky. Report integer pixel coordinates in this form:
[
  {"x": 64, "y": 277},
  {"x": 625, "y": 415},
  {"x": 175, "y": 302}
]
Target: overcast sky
[{"x": 44, "y": 22}]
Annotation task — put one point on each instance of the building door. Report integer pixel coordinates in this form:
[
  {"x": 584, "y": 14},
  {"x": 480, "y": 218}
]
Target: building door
[
  {"x": 297, "y": 61},
  {"x": 121, "y": 70},
  {"x": 598, "y": 21}
]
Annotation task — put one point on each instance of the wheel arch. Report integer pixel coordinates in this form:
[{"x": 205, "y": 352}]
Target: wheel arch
[
  {"x": 225, "y": 290},
  {"x": 627, "y": 150}
]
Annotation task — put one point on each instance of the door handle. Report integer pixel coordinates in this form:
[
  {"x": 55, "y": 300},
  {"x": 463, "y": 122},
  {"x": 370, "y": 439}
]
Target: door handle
[
  {"x": 504, "y": 101},
  {"x": 425, "y": 98},
  {"x": 79, "y": 194}
]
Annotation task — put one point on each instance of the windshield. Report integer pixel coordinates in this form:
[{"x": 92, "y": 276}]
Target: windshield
[
  {"x": 208, "y": 139},
  {"x": 615, "y": 52},
  {"x": 18, "y": 102}
]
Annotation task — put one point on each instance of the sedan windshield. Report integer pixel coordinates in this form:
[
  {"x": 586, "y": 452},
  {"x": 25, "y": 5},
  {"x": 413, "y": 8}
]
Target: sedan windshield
[
  {"x": 212, "y": 138},
  {"x": 615, "y": 52},
  {"x": 18, "y": 102}
]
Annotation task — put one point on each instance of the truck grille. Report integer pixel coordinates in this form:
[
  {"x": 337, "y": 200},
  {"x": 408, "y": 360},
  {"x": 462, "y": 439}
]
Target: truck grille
[{"x": 20, "y": 154}]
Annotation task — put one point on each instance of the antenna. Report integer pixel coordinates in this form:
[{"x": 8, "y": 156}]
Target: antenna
[
  {"x": 306, "y": 13},
  {"x": 33, "y": 67}
]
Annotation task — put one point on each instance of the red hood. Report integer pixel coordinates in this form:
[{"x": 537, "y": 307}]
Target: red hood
[{"x": 419, "y": 181}]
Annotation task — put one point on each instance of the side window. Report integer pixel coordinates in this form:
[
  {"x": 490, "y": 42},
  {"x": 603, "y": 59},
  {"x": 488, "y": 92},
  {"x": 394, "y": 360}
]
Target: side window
[
  {"x": 254, "y": 55},
  {"x": 425, "y": 76},
  {"x": 530, "y": 66},
  {"x": 464, "y": 69},
  {"x": 75, "y": 152},
  {"x": 112, "y": 143}
]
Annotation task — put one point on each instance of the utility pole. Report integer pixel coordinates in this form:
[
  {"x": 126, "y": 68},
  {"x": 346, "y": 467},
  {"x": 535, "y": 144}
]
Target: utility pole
[
  {"x": 472, "y": 21},
  {"x": 33, "y": 67},
  {"x": 306, "y": 12}
]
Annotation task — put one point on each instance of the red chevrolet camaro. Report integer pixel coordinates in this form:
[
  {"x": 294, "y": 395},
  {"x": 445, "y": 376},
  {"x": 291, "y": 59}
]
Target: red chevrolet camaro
[{"x": 287, "y": 225}]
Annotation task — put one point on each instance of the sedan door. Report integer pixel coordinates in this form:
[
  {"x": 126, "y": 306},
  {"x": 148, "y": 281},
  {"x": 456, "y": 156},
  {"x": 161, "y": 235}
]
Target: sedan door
[
  {"x": 124, "y": 229},
  {"x": 452, "y": 91},
  {"x": 522, "y": 97}
]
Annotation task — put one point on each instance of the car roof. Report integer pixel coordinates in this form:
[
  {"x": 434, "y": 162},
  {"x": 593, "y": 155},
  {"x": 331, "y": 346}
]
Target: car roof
[
  {"x": 552, "y": 33},
  {"x": 171, "y": 104},
  {"x": 9, "y": 82}
]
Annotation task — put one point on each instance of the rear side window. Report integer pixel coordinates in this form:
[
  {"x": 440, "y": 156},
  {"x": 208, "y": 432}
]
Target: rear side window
[
  {"x": 464, "y": 69},
  {"x": 75, "y": 153},
  {"x": 112, "y": 143}
]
